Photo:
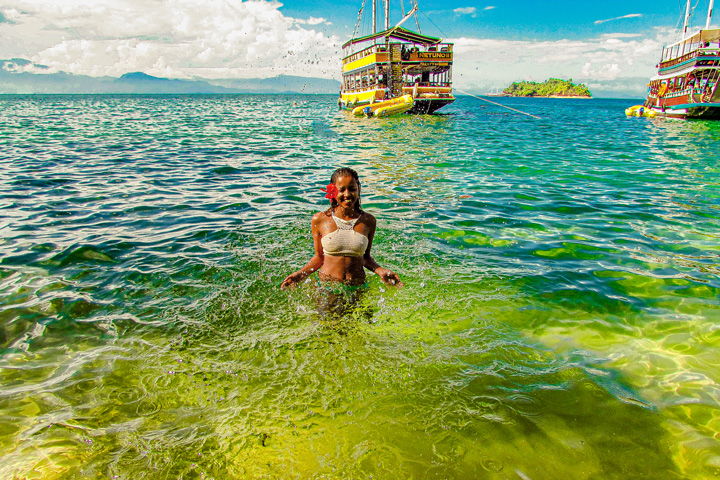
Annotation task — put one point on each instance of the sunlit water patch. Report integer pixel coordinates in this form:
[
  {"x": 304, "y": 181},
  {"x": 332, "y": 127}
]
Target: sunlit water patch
[{"x": 559, "y": 318}]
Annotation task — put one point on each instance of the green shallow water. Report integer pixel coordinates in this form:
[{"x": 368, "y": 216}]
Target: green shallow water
[{"x": 560, "y": 317}]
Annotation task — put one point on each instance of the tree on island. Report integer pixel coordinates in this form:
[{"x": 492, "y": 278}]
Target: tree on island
[{"x": 553, "y": 87}]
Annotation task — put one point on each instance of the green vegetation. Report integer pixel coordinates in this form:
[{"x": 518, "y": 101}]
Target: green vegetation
[{"x": 553, "y": 87}]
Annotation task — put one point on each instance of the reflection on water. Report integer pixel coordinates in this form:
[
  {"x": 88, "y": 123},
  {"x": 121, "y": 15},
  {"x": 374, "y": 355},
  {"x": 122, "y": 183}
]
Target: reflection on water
[{"x": 558, "y": 319}]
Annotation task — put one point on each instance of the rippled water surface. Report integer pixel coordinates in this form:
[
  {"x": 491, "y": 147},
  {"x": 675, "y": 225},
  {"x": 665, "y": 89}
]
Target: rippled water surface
[{"x": 560, "y": 317}]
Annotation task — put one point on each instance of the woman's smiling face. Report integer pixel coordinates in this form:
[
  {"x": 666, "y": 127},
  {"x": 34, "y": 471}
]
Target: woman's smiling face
[{"x": 348, "y": 192}]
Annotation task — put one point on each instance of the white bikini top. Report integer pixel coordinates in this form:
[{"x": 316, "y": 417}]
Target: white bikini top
[{"x": 345, "y": 241}]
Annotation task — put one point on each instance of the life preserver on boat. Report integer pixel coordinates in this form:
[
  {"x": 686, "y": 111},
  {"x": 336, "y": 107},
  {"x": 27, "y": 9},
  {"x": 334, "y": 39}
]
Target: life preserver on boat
[{"x": 663, "y": 88}]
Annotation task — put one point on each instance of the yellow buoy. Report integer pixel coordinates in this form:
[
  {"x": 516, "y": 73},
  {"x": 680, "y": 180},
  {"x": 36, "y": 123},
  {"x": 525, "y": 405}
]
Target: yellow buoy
[{"x": 640, "y": 111}]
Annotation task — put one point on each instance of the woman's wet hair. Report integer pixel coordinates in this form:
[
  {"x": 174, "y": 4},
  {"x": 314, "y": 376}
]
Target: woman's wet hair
[{"x": 345, "y": 172}]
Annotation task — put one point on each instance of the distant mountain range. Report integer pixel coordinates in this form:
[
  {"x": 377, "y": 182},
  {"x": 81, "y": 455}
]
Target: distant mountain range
[{"x": 15, "y": 79}]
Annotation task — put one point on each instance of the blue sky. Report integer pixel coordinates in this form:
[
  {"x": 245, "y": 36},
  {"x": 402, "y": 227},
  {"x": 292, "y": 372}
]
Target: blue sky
[
  {"x": 524, "y": 20},
  {"x": 611, "y": 46}
]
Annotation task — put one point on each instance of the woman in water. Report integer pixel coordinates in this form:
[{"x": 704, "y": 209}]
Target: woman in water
[{"x": 342, "y": 237}]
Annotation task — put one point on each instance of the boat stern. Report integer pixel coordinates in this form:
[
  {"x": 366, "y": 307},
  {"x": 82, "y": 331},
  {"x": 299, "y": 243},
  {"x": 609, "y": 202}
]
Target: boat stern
[{"x": 428, "y": 99}]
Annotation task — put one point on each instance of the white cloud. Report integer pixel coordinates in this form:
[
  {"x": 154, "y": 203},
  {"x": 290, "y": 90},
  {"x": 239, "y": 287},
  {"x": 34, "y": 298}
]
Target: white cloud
[
  {"x": 620, "y": 35},
  {"x": 4, "y": 18},
  {"x": 488, "y": 8},
  {"x": 19, "y": 66},
  {"x": 465, "y": 10},
  {"x": 313, "y": 21},
  {"x": 482, "y": 64},
  {"x": 177, "y": 38},
  {"x": 608, "y": 71},
  {"x": 233, "y": 39},
  {"x": 632, "y": 15}
]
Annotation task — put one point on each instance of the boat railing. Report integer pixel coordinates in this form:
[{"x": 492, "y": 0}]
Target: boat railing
[
  {"x": 427, "y": 90},
  {"x": 410, "y": 52},
  {"x": 360, "y": 54},
  {"x": 674, "y": 61},
  {"x": 700, "y": 54}
]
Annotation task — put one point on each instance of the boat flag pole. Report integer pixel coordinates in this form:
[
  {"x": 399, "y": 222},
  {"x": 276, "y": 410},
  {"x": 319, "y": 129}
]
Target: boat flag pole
[
  {"x": 374, "y": 17},
  {"x": 709, "y": 17},
  {"x": 498, "y": 104}
]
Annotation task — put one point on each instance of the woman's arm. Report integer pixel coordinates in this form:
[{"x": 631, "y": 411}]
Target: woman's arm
[
  {"x": 387, "y": 276},
  {"x": 315, "y": 262}
]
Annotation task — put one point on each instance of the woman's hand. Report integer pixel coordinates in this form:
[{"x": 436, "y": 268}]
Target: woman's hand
[
  {"x": 293, "y": 279},
  {"x": 389, "y": 277}
]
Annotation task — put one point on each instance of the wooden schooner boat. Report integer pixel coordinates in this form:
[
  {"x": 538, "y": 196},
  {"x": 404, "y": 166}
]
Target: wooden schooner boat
[
  {"x": 686, "y": 84},
  {"x": 395, "y": 67}
]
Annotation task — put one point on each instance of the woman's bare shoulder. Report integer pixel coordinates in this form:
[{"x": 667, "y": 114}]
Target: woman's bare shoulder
[
  {"x": 320, "y": 218},
  {"x": 369, "y": 218}
]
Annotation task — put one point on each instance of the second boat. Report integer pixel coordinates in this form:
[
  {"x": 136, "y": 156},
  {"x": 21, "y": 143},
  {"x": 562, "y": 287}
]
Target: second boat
[{"x": 686, "y": 84}]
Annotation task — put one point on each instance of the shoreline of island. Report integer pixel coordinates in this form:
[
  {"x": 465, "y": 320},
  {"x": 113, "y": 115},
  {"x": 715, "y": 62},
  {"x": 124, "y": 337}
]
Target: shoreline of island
[
  {"x": 577, "y": 97},
  {"x": 551, "y": 88}
]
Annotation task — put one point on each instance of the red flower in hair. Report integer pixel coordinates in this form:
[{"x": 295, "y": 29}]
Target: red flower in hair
[{"x": 331, "y": 191}]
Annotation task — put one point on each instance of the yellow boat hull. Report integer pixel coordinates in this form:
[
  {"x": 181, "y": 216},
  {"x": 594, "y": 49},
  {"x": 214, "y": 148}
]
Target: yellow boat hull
[
  {"x": 394, "y": 106},
  {"x": 355, "y": 99}
]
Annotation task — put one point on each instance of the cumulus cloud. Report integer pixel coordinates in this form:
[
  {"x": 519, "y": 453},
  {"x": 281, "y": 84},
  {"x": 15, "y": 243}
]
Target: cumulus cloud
[
  {"x": 233, "y": 39},
  {"x": 488, "y": 8},
  {"x": 631, "y": 15},
  {"x": 313, "y": 21},
  {"x": 175, "y": 38},
  {"x": 483, "y": 64},
  {"x": 608, "y": 71}
]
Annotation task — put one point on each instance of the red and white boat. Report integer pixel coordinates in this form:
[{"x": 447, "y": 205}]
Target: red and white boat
[{"x": 686, "y": 84}]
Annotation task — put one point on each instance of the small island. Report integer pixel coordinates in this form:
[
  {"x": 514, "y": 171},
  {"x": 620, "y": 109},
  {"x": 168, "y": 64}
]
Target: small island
[{"x": 553, "y": 87}]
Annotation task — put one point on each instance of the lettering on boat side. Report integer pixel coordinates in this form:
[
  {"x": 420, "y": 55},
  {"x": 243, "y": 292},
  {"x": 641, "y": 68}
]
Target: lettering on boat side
[{"x": 434, "y": 54}]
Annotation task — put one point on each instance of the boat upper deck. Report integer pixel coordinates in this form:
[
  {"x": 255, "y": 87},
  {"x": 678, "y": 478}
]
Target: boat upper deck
[
  {"x": 437, "y": 55},
  {"x": 700, "y": 49}
]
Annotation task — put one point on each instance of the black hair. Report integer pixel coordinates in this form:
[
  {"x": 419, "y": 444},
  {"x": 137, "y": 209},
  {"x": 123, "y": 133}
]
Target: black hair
[{"x": 345, "y": 172}]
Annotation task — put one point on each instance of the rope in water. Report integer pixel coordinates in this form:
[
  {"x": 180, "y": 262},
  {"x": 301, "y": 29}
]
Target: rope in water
[{"x": 498, "y": 104}]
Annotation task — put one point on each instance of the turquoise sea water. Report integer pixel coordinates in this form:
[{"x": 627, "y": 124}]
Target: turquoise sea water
[{"x": 561, "y": 315}]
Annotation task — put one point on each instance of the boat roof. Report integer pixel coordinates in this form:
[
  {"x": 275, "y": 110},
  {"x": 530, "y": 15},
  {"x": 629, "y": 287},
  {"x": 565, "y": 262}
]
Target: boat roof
[
  {"x": 700, "y": 36},
  {"x": 399, "y": 33}
]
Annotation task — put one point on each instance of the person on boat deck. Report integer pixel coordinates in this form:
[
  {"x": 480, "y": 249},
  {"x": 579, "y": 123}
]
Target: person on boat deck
[{"x": 342, "y": 238}]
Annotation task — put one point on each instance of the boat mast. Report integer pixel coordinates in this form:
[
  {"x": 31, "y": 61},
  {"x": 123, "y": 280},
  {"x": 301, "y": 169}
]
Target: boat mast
[
  {"x": 374, "y": 17},
  {"x": 687, "y": 20},
  {"x": 387, "y": 14},
  {"x": 417, "y": 22},
  {"x": 709, "y": 17},
  {"x": 407, "y": 17}
]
